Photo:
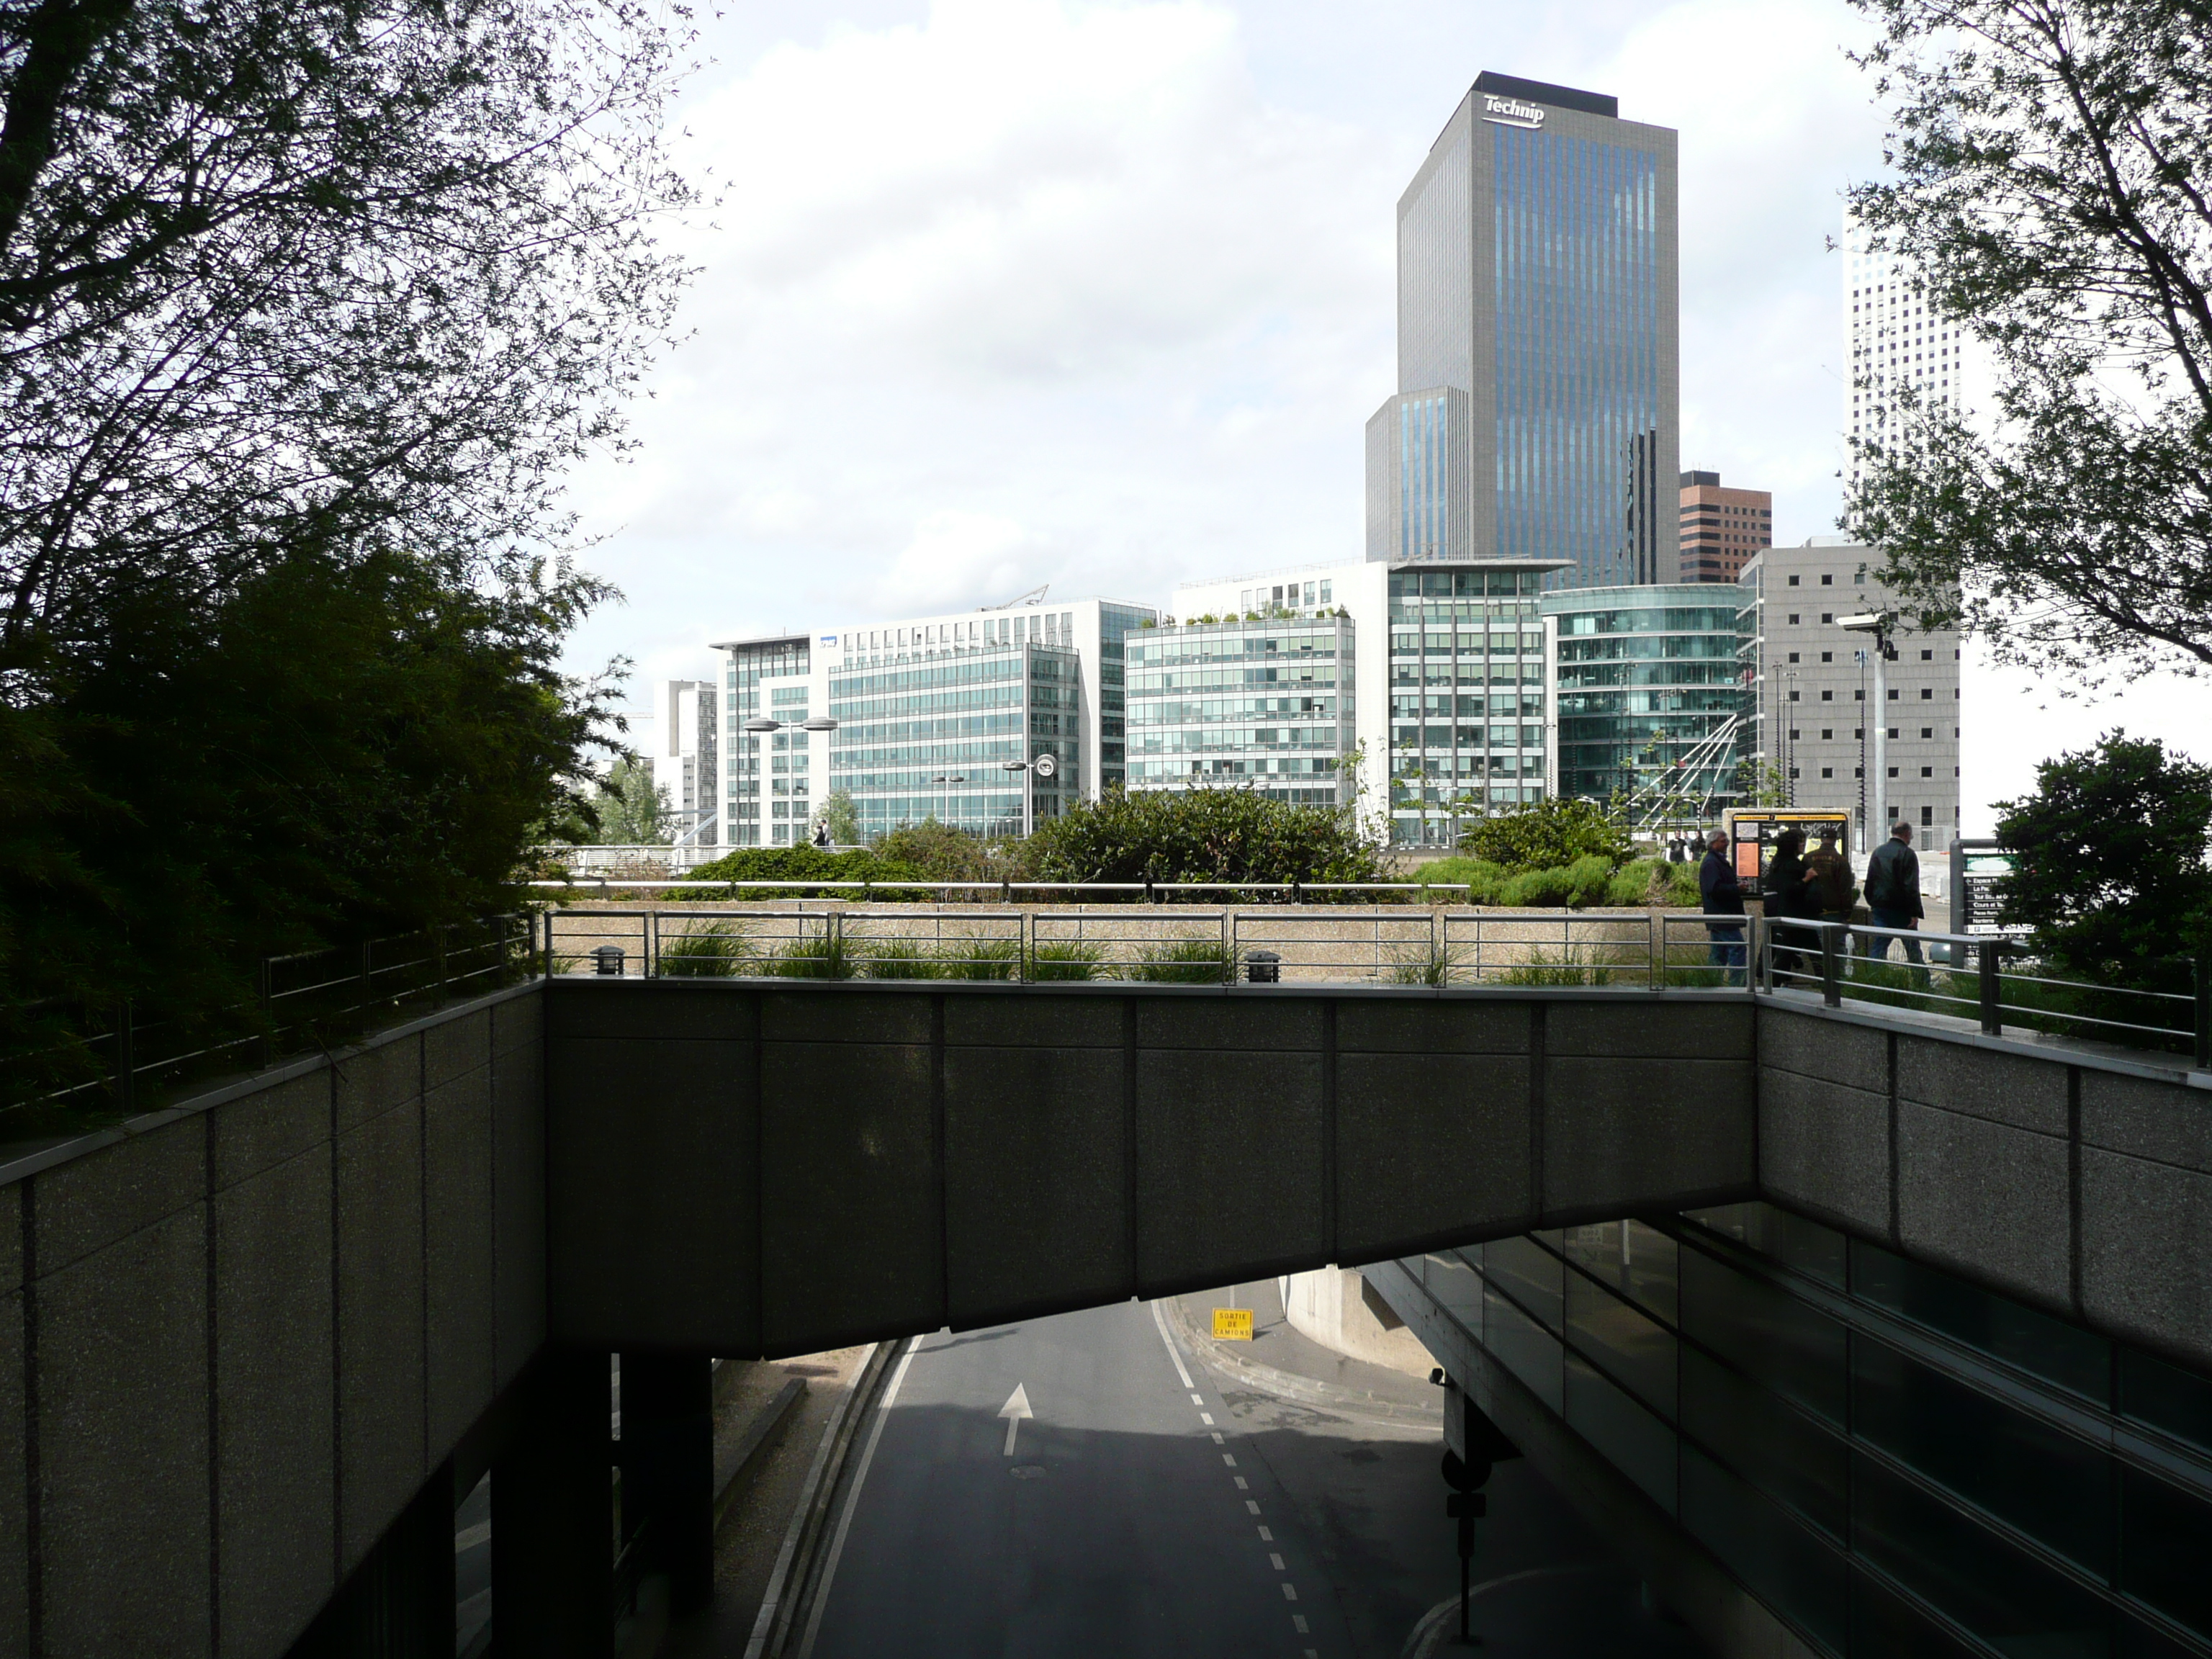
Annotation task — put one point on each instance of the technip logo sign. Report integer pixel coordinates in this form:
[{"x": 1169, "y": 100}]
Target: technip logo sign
[{"x": 1510, "y": 111}]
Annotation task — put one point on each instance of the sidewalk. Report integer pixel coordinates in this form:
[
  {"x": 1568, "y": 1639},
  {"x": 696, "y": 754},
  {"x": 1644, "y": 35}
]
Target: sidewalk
[{"x": 1284, "y": 1363}]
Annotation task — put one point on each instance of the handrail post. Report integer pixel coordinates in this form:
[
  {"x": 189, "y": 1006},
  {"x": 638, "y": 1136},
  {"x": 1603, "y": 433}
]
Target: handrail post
[
  {"x": 652, "y": 944},
  {"x": 2204, "y": 1011},
  {"x": 1757, "y": 968},
  {"x": 1986, "y": 971},
  {"x": 126, "y": 1060},
  {"x": 1228, "y": 944},
  {"x": 1831, "y": 987}
]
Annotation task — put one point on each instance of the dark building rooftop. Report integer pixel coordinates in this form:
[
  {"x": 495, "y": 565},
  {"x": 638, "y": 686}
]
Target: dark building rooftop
[{"x": 1543, "y": 92}]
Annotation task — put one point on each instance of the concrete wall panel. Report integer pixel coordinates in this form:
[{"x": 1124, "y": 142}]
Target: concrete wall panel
[
  {"x": 1037, "y": 1182},
  {"x": 2143, "y": 1230},
  {"x": 1824, "y": 1148},
  {"x": 453, "y": 1048},
  {"x": 14, "y": 1506},
  {"x": 2028, "y": 1094},
  {"x": 1267, "y": 1023},
  {"x": 849, "y": 1188},
  {"x": 1024, "y": 1020},
  {"x": 2164, "y": 1121},
  {"x": 1441, "y": 1026},
  {"x": 659, "y": 1010},
  {"x": 1638, "y": 1028},
  {"x": 878, "y": 1017},
  {"x": 276, "y": 1446},
  {"x": 651, "y": 1163},
  {"x": 1429, "y": 1146},
  {"x": 459, "y": 1230},
  {"x": 11, "y": 1237},
  {"x": 270, "y": 1127},
  {"x": 519, "y": 1195},
  {"x": 382, "y": 1454},
  {"x": 373, "y": 1080},
  {"x": 90, "y": 1202},
  {"x": 123, "y": 1444},
  {"x": 1660, "y": 1128},
  {"x": 518, "y": 1023},
  {"x": 1985, "y": 1197},
  {"x": 1230, "y": 1160},
  {"x": 1857, "y": 1056}
]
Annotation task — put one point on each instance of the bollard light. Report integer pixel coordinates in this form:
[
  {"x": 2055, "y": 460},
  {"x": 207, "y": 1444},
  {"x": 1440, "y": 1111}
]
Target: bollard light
[{"x": 609, "y": 958}]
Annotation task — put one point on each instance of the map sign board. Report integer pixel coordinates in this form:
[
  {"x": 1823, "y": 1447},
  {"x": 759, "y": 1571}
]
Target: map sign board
[
  {"x": 1752, "y": 831},
  {"x": 1977, "y": 865}
]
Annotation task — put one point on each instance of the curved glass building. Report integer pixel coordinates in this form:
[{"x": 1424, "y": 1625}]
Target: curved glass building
[{"x": 1649, "y": 690}]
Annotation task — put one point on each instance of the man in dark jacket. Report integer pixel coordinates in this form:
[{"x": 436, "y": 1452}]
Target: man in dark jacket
[
  {"x": 1893, "y": 894},
  {"x": 1722, "y": 895}
]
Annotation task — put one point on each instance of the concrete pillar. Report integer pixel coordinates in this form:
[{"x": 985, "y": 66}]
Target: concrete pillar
[
  {"x": 668, "y": 1469},
  {"x": 399, "y": 1602},
  {"x": 552, "y": 1517}
]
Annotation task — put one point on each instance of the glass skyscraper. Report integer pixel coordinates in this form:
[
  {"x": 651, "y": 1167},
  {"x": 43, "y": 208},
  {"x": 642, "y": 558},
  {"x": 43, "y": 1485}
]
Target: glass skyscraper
[{"x": 1537, "y": 343}]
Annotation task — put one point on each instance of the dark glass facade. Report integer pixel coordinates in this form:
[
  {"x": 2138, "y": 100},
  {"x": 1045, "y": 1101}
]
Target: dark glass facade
[
  {"x": 1650, "y": 681},
  {"x": 1893, "y": 1461}
]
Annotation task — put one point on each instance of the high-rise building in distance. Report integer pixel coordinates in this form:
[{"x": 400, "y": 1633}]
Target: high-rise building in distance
[
  {"x": 1722, "y": 527},
  {"x": 1538, "y": 343},
  {"x": 1897, "y": 344}
]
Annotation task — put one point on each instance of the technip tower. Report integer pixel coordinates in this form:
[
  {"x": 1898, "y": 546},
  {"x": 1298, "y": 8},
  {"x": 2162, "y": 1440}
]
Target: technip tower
[{"x": 1538, "y": 343}]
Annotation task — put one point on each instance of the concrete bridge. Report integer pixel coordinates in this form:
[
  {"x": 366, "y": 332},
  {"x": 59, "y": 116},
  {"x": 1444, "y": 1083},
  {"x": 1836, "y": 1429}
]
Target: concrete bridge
[{"x": 251, "y": 1347}]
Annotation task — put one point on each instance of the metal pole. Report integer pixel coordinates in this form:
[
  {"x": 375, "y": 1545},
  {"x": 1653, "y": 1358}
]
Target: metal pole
[
  {"x": 126, "y": 1064},
  {"x": 1992, "y": 1007},
  {"x": 1832, "y": 989},
  {"x": 1878, "y": 830},
  {"x": 2204, "y": 1011}
]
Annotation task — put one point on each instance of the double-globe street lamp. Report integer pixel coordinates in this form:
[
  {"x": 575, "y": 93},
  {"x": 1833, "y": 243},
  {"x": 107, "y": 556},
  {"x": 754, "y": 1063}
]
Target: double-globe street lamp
[
  {"x": 1042, "y": 766},
  {"x": 944, "y": 780},
  {"x": 759, "y": 726}
]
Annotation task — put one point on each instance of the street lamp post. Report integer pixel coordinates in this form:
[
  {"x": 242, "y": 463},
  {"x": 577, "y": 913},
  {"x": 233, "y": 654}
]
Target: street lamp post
[
  {"x": 1878, "y": 623},
  {"x": 1042, "y": 766},
  {"x": 760, "y": 725}
]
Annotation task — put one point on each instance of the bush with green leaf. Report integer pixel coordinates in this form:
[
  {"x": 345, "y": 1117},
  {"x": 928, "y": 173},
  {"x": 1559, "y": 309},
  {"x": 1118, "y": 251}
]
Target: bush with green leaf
[
  {"x": 1201, "y": 834},
  {"x": 808, "y": 863},
  {"x": 1548, "y": 834}
]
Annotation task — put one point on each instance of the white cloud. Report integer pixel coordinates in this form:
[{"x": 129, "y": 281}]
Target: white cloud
[{"x": 956, "y": 559}]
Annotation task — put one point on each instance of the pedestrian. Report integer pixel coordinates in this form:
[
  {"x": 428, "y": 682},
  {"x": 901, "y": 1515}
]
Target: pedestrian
[
  {"x": 1893, "y": 896},
  {"x": 1720, "y": 894},
  {"x": 1790, "y": 897},
  {"x": 1833, "y": 891}
]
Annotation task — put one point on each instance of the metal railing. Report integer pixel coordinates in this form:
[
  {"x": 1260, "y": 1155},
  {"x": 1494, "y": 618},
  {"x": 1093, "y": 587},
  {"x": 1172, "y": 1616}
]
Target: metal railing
[
  {"x": 1009, "y": 892},
  {"x": 1169, "y": 945},
  {"x": 90, "y": 1062},
  {"x": 1967, "y": 975}
]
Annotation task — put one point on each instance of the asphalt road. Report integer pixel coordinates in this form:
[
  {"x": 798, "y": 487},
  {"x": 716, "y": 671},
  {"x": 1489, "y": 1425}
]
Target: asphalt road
[
  {"x": 1146, "y": 1510},
  {"x": 1123, "y": 1519}
]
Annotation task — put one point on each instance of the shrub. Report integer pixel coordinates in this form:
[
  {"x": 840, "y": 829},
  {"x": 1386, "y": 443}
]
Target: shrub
[
  {"x": 792, "y": 863},
  {"x": 982, "y": 958},
  {"x": 1589, "y": 880},
  {"x": 1547, "y": 834},
  {"x": 823, "y": 956},
  {"x": 897, "y": 958},
  {"x": 1065, "y": 959},
  {"x": 1534, "y": 889},
  {"x": 1201, "y": 834},
  {"x": 1183, "y": 962},
  {"x": 1484, "y": 879},
  {"x": 717, "y": 951}
]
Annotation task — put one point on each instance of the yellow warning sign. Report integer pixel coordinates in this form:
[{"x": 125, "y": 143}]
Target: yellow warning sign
[{"x": 1232, "y": 1324}]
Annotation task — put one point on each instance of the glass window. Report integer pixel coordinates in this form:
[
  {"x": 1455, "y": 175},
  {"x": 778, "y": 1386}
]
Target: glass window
[
  {"x": 2047, "y": 1484},
  {"x": 1784, "y": 1565},
  {"x": 2164, "y": 1531},
  {"x": 1635, "y": 1350},
  {"x": 1779, "y": 1450},
  {"x": 1454, "y": 1280},
  {"x": 1961, "y": 1567},
  {"x": 1522, "y": 1346},
  {"x": 2154, "y": 1392},
  {"x": 1529, "y": 1273},
  {"x": 1765, "y": 1333},
  {"x": 2045, "y": 1347},
  {"x": 1630, "y": 1438},
  {"x": 1636, "y": 1259},
  {"x": 1808, "y": 1246}
]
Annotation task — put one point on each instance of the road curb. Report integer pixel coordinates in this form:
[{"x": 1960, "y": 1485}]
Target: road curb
[
  {"x": 796, "y": 1560},
  {"x": 766, "y": 1427},
  {"x": 1289, "y": 1385}
]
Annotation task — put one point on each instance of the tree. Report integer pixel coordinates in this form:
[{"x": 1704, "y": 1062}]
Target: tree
[
  {"x": 843, "y": 818},
  {"x": 2049, "y": 184},
  {"x": 2112, "y": 848},
  {"x": 1547, "y": 834},
  {"x": 346, "y": 273},
  {"x": 632, "y": 810},
  {"x": 1201, "y": 835}
]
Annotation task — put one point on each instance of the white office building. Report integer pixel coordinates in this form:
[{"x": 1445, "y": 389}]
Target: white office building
[
  {"x": 1895, "y": 343},
  {"x": 919, "y": 719},
  {"x": 686, "y": 759}
]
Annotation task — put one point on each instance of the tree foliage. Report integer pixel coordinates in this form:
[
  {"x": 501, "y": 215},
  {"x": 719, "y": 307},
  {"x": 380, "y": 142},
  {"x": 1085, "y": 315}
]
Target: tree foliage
[
  {"x": 630, "y": 809},
  {"x": 2049, "y": 183},
  {"x": 2112, "y": 847},
  {"x": 795, "y": 863},
  {"x": 945, "y": 853},
  {"x": 1201, "y": 835},
  {"x": 1546, "y": 834}
]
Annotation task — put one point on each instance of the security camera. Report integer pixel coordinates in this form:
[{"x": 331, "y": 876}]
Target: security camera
[{"x": 1866, "y": 622}]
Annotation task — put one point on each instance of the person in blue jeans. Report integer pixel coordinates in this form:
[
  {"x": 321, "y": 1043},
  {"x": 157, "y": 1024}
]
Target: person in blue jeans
[
  {"x": 1720, "y": 894},
  {"x": 1893, "y": 896}
]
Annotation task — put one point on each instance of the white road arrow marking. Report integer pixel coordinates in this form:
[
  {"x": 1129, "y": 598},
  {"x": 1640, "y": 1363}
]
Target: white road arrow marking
[{"x": 1016, "y": 1408}]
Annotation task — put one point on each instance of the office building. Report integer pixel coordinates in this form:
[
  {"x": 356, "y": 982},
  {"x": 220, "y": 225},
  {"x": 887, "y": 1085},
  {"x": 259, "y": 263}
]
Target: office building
[
  {"x": 1897, "y": 345},
  {"x": 917, "y": 720},
  {"x": 1538, "y": 356},
  {"x": 1648, "y": 692},
  {"x": 1889, "y": 1459},
  {"x": 686, "y": 759},
  {"x": 1722, "y": 527},
  {"x": 1449, "y": 684},
  {"x": 1812, "y": 680},
  {"x": 1266, "y": 702}
]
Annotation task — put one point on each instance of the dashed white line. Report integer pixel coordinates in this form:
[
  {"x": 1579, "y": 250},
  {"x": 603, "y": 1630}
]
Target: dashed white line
[
  {"x": 1266, "y": 1537},
  {"x": 1240, "y": 1486},
  {"x": 1206, "y": 1418},
  {"x": 1160, "y": 1320},
  {"x": 1230, "y": 1459},
  {"x": 1298, "y": 1623},
  {"x": 1276, "y": 1561},
  {"x": 1289, "y": 1592},
  {"x": 1252, "y": 1506},
  {"x": 1218, "y": 1441}
]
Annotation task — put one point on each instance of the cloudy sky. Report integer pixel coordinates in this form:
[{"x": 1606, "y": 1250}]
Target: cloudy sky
[{"x": 1005, "y": 292}]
